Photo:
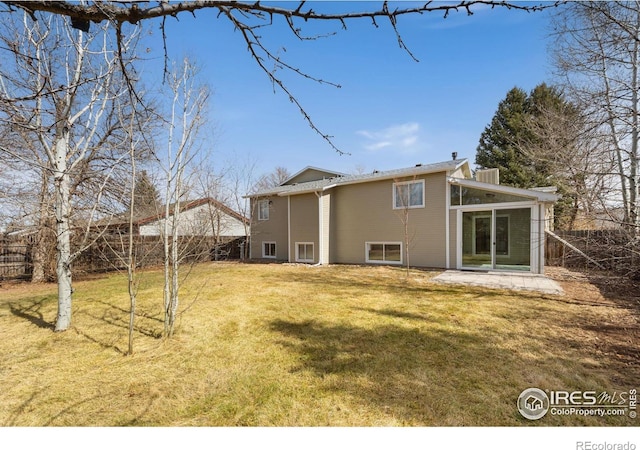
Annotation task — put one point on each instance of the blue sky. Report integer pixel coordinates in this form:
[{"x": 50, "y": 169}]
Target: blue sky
[{"x": 390, "y": 111}]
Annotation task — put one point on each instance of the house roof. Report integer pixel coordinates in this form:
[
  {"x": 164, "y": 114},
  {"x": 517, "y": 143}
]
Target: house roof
[
  {"x": 545, "y": 194},
  {"x": 187, "y": 205},
  {"x": 144, "y": 219},
  {"x": 296, "y": 177},
  {"x": 329, "y": 183}
]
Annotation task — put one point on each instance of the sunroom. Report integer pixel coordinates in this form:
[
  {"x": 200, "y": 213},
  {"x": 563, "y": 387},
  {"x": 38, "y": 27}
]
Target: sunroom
[{"x": 499, "y": 227}]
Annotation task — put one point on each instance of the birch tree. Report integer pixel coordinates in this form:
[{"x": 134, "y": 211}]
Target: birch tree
[
  {"x": 185, "y": 119},
  {"x": 58, "y": 87},
  {"x": 597, "y": 55}
]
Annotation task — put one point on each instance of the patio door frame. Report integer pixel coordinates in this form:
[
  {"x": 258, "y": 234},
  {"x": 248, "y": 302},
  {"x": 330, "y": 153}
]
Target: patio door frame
[{"x": 493, "y": 208}]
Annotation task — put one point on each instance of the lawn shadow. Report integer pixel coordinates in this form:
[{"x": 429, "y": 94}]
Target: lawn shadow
[
  {"x": 416, "y": 376},
  {"x": 12, "y": 419},
  {"x": 394, "y": 313},
  {"x": 31, "y": 312},
  {"x": 391, "y": 282},
  {"x": 106, "y": 324}
]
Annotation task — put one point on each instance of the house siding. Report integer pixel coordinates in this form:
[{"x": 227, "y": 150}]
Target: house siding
[
  {"x": 311, "y": 175},
  {"x": 272, "y": 230},
  {"x": 304, "y": 222},
  {"x": 340, "y": 215},
  {"x": 365, "y": 214},
  {"x": 453, "y": 239}
]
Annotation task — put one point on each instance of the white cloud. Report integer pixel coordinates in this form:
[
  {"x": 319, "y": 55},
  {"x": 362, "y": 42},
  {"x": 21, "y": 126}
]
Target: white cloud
[{"x": 403, "y": 138}]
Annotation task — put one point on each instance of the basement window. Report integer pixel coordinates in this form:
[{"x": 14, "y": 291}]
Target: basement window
[{"x": 383, "y": 252}]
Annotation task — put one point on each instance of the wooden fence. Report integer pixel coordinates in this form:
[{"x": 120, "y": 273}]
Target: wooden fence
[
  {"x": 611, "y": 249},
  {"x": 111, "y": 252},
  {"x": 15, "y": 261}
]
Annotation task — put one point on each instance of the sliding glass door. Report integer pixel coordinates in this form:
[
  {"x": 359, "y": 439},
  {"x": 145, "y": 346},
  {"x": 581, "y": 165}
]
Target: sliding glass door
[{"x": 497, "y": 239}]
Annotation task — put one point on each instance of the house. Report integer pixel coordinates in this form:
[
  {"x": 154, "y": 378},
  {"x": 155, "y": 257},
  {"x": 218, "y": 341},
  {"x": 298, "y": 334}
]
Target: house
[
  {"x": 202, "y": 217},
  {"x": 210, "y": 221},
  {"x": 436, "y": 215}
]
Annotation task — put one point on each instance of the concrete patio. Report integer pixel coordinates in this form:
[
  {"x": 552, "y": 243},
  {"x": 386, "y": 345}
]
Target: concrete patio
[{"x": 502, "y": 280}]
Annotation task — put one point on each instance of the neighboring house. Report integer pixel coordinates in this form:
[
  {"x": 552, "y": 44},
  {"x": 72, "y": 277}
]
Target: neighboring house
[
  {"x": 203, "y": 217},
  {"x": 452, "y": 221}
]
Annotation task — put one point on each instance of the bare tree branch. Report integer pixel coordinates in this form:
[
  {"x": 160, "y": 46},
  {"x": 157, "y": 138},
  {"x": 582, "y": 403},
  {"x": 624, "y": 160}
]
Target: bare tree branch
[
  {"x": 248, "y": 18},
  {"x": 134, "y": 13}
]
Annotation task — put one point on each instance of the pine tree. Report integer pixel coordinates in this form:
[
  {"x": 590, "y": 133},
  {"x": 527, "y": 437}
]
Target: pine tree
[
  {"x": 532, "y": 140},
  {"x": 147, "y": 196},
  {"x": 499, "y": 143}
]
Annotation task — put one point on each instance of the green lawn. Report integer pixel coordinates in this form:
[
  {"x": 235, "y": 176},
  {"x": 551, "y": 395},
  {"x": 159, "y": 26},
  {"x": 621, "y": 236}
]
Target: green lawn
[{"x": 290, "y": 345}]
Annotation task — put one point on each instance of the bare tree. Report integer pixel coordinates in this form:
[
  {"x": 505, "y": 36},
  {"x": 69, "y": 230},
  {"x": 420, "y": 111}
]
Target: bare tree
[
  {"x": 406, "y": 194},
  {"x": 242, "y": 183},
  {"x": 57, "y": 94},
  {"x": 185, "y": 119},
  {"x": 558, "y": 141},
  {"x": 273, "y": 179},
  {"x": 597, "y": 54}
]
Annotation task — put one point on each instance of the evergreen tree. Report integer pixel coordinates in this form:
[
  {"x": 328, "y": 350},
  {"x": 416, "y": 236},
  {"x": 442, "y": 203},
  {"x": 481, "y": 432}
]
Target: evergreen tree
[
  {"x": 500, "y": 142},
  {"x": 532, "y": 139},
  {"x": 147, "y": 196}
]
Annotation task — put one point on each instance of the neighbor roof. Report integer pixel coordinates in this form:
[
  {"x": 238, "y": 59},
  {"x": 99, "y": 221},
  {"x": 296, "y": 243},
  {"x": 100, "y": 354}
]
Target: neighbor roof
[{"x": 146, "y": 218}]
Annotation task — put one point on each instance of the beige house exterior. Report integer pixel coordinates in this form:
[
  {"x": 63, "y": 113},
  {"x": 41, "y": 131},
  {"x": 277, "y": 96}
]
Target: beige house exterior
[{"x": 433, "y": 215}]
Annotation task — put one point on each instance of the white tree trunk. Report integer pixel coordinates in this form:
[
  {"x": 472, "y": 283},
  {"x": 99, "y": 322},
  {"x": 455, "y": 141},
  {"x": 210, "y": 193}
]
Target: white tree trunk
[{"x": 63, "y": 234}]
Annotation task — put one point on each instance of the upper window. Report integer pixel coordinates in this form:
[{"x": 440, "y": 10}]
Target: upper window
[
  {"x": 471, "y": 196},
  {"x": 408, "y": 194},
  {"x": 263, "y": 210}
]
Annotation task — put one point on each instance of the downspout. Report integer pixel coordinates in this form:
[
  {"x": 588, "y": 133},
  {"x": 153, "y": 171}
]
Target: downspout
[
  {"x": 447, "y": 202},
  {"x": 289, "y": 228}
]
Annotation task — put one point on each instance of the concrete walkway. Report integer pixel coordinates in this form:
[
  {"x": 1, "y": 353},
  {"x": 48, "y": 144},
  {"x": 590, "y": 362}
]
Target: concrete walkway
[{"x": 501, "y": 280}]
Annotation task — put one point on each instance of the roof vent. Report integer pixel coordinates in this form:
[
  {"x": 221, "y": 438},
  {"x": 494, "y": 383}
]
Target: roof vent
[
  {"x": 419, "y": 165},
  {"x": 454, "y": 155}
]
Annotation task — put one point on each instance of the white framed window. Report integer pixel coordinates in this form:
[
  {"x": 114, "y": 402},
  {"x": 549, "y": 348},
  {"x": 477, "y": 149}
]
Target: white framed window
[
  {"x": 408, "y": 194},
  {"x": 383, "y": 252},
  {"x": 268, "y": 249},
  {"x": 304, "y": 251},
  {"x": 263, "y": 210}
]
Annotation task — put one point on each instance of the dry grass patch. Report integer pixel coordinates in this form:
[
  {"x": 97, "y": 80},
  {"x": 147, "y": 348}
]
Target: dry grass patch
[{"x": 287, "y": 345}]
